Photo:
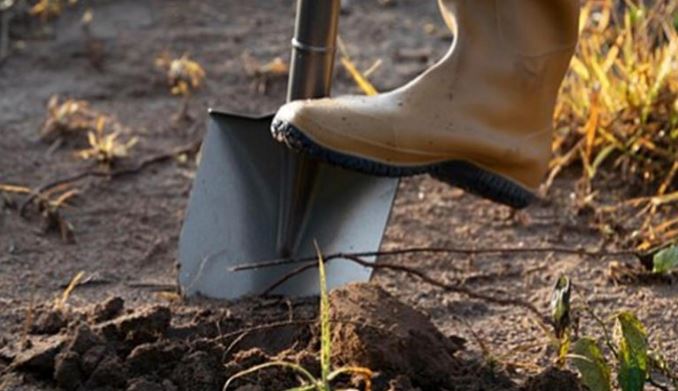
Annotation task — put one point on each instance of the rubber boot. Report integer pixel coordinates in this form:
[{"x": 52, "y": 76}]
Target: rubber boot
[{"x": 480, "y": 119}]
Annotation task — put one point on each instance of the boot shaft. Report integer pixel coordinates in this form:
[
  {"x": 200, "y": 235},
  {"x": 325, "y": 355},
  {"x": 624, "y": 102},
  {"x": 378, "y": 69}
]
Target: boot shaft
[
  {"x": 529, "y": 27},
  {"x": 506, "y": 54}
]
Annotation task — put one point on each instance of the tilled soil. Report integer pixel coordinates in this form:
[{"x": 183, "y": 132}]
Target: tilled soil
[
  {"x": 126, "y": 229},
  {"x": 199, "y": 347}
]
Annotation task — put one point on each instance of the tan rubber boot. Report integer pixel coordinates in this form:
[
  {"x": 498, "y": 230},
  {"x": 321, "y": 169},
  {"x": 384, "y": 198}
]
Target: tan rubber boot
[{"x": 480, "y": 119}]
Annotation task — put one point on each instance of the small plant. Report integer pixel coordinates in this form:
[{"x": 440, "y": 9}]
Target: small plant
[
  {"x": 666, "y": 260},
  {"x": 6, "y": 190},
  {"x": 560, "y": 306},
  {"x": 561, "y": 316},
  {"x": 184, "y": 75},
  {"x": 262, "y": 74},
  {"x": 589, "y": 360},
  {"x": 75, "y": 119},
  {"x": 68, "y": 118},
  {"x": 630, "y": 350},
  {"x": 49, "y": 9},
  {"x": 49, "y": 205},
  {"x": 94, "y": 47},
  {"x": 632, "y": 360},
  {"x": 327, "y": 375},
  {"x": 105, "y": 148}
]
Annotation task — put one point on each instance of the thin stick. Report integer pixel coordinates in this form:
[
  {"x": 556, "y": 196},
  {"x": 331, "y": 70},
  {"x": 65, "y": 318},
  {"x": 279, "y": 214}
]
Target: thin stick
[
  {"x": 191, "y": 147},
  {"x": 288, "y": 276},
  {"x": 436, "y": 250},
  {"x": 453, "y": 288},
  {"x": 503, "y": 301}
]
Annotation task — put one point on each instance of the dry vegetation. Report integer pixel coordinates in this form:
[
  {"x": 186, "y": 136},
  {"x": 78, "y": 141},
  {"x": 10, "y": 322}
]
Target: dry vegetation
[
  {"x": 105, "y": 148},
  {"x": 68, "y": 118},
  {"x": 49, "y": 205},
  {"x": 617, "y": 120},
  {"x": 74, "y": 120},
  {"x": 263, "y": 74},
  {"x": 184, "y": 75},
  {"x": 49, "y": 9}
]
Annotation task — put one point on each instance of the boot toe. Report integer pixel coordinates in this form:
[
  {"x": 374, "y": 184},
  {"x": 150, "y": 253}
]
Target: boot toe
[{"x": 287, "y": 114}]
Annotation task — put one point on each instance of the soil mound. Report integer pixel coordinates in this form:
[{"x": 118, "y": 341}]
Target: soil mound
[{"x": 374, "y": 330}]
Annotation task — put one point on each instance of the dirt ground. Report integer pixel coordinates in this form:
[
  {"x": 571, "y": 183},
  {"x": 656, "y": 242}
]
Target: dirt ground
[{"x": 126, "y": 229}]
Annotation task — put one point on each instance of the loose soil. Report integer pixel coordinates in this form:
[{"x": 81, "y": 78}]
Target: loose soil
[
  {"x": 198, "y": 347},
  {"x": 125, "y": 328}
]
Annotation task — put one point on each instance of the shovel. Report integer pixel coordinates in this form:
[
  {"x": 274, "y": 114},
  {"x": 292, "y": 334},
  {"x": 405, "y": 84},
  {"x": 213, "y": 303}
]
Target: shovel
[{"x": 253, "y": 200}]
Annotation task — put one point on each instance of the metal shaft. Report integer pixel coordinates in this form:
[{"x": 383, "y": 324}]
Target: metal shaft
[
  {"x": 313, "y": 48},
  {"x": 311, "y": 66}
]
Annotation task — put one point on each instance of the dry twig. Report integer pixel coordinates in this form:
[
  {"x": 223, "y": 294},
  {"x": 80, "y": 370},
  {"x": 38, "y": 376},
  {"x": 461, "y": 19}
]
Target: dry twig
[
  {"x": 449, "y": 287},
  {"x": 441, "y": 250},
  {"x": 159, "y": 158}
]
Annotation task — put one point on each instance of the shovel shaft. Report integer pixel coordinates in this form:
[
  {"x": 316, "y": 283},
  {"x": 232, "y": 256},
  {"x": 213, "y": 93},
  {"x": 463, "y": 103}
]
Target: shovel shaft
[
  {"x": 311, "y": 66},
  {"x": 313, "y": 48}
]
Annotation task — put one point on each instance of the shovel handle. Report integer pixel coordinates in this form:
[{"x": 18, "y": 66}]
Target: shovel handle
[
  {"x": 313, "y": 48},
  {"x": 311, "y": 66}
]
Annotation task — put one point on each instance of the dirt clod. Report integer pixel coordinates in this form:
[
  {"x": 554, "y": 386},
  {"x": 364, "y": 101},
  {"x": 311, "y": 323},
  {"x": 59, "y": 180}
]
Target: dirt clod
[
  {"x": 108, "y": 310},
  {"x": 401, "y": 383},
  {"x": 141, "y": 384},
  {"x": 92, "y": 358},
  {"x": 39, "y": 358},
  {"x": 169, "y": 386},
  {"x": 67, "y": 370},
  {"x": 151, "y": 357},
  {"x": 83, "y": 339},
  {"x": 375, "y": 330},
  {"x": 139, "y": 327},
  {"x": 249, "y": 387},
  {"x": 271, "y": 379},
  {"x": 48, "y": 322},
  {"x": 110, "y": 372},
  {"x": 199, "y": 371},
  {"x": 554, "y": 379}
]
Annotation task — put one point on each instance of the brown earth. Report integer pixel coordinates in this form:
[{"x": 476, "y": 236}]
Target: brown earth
[
  {"x": 198, "y": 347},
  {"x": 126, "y": 229}
]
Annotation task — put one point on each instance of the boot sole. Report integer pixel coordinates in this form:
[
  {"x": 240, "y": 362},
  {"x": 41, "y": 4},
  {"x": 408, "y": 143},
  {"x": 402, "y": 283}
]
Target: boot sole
[{"x": 457, "y": 173}]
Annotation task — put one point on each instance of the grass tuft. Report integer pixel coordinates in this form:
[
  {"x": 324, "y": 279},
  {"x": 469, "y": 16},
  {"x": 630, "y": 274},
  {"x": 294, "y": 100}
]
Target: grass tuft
[
  {"x": 617, "y": 117},
  {"x": 105, "y": 148}
]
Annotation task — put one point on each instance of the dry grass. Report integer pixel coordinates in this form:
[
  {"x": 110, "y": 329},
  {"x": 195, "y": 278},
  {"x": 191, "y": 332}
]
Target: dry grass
[
  {"x": 60, "y": 301},
  {"x": 361, "y": 79},
  {"x": 105, "y": 147},
  {"x": 75, "y": 119},
  {"x": 183, "y": 74},
  {"x": 50, "y": 204},
  {"x": 617, "y": 119},
  {"x": 49, "y": 9},
  {"x": 68, "y": 118},
  {"x": 263, "y": 74}
]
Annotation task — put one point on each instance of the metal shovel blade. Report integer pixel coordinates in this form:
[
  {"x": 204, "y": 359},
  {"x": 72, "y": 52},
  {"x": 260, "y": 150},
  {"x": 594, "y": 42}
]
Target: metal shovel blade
[{"x": 234, "y": 208}]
